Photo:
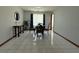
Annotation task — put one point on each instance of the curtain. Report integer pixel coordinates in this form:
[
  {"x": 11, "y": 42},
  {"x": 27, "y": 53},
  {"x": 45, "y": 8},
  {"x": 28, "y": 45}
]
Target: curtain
[
  {"x": 51, "y": 22},
  {"x": 44, "y": 20},
  {"x": 31, "y": 21}
]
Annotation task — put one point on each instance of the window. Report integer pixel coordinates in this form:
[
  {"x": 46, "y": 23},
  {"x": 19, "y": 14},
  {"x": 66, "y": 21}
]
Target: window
[
  {"x": 52, "y": 20},
  {"x": 37, "y": 18}
]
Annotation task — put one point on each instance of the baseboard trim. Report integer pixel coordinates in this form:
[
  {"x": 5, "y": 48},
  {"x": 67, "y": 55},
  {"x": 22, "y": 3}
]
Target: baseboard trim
[
  {"x": 67, "y": 39},
  {"x": 6, "y": 41}
]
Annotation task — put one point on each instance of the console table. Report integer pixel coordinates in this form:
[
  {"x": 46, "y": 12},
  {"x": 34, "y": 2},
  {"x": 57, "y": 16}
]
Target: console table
[{"x": 17, "y": 30}]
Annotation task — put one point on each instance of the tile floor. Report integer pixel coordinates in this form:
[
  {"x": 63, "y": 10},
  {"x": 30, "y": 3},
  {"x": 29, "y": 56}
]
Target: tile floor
[{"x": 51, "y": 43}]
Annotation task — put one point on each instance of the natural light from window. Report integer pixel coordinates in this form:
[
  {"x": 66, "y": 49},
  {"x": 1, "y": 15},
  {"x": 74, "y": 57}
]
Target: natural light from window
[{"x": 37, "y": 18}]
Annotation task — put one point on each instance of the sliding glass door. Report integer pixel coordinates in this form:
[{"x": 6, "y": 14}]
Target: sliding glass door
[{"x": 37, "y": 18}]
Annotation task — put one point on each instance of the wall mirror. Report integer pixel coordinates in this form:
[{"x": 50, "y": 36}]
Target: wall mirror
[{"x": 17, "y": 16}]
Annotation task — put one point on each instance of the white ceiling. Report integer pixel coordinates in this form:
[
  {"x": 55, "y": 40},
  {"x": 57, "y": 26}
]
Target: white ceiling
[{"x": 38, "y": 8}]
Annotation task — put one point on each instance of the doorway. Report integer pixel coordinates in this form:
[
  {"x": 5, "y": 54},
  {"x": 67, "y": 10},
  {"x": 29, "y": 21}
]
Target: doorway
[{"x": 52, "y": 26}]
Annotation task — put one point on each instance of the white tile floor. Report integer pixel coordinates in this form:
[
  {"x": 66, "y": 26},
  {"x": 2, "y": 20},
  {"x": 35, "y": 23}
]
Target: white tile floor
[{"x": 25, "y": 44}]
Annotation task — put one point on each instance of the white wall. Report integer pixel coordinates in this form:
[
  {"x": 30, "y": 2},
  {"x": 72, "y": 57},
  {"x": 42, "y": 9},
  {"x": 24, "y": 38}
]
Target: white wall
[
  {"x": 67, "y": 22},
  {"x": 7, "y": 20},
  {"x": 26, "y": 17},
  {"x": 47, "y": 17}
]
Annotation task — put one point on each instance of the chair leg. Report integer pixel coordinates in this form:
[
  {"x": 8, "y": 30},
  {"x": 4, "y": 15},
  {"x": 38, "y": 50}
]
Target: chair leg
[
  {"x": 41, "y": 37},
  {"x": 35, "y": 38}
]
